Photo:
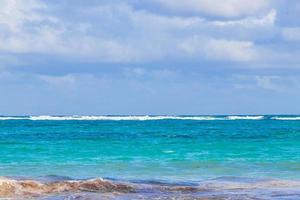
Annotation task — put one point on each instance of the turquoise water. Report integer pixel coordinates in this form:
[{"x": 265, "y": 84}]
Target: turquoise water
[{"x": 188, "y": 148}]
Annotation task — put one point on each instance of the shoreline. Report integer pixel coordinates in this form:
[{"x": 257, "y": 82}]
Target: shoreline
[{"x": 28, "y": 188}]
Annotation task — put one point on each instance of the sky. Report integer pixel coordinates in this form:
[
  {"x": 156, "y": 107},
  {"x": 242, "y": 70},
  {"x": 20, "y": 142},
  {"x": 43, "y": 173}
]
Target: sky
[{"x": 133, "y": 57}]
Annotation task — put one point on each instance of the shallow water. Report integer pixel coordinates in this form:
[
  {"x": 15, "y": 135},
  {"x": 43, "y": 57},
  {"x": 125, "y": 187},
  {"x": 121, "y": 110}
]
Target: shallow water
[
  {"x": 146, "y": 151},
  {"x": 51, "y": 187}
]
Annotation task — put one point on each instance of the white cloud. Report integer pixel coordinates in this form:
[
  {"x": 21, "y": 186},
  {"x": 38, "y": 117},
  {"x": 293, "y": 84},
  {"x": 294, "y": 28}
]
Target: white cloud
[
  {"x": 268, "y": 19},
  {"x": 25, "y": 29},
  {"x": 152, "y": 36},
  {"x": 119, "y": 33},
  {"x": 291, "y": 34},
  {"x": 220, "y": 49},
  {"x": 32, "y": 31},
  {"x": 268, "y": 82},
  {"x": 73, "y": 81},
  {"x": 14, "y": 13},
  {"x": 231, "y": 50},
  {"x": 58, "y": 80},
  {"x": 135, "y": 72},
  {"x": 221, "y": 8},
  {"x": 277, "y": 83},
  {"x": 157, "y": 74}
]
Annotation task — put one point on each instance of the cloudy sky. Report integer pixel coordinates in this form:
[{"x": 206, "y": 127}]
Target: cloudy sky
[{"x": 149, "y": 57}]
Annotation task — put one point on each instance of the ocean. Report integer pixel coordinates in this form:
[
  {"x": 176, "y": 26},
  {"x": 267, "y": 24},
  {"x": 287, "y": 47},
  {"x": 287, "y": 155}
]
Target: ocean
[{"x": 150, "y": 157}]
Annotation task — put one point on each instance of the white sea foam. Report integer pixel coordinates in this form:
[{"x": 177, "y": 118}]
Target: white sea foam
[
  {"x": 264, "y": 184},
  {"x": 139, "y": 118},
  {"x": 120, "y": 118},
  {"x": 48, "y": 117},
  {"x": 27, "y": 189},
  {"x": 286, "y": 118},
  {"x": 168, "y": 151},
  {"x": 13, "y": 118},
  {"x": 245, "y": 117}
]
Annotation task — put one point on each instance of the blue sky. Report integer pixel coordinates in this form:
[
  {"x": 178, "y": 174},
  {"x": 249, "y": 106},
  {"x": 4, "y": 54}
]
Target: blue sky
[{"x": 149, "y": 57}]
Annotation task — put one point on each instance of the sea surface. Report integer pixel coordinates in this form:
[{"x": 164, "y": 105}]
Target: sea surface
[{"x": 152, "y": 157}]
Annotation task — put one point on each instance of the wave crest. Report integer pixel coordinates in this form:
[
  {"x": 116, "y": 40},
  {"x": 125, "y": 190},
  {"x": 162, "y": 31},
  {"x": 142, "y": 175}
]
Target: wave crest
[
  {"x": 148, "y": 118},
  {"x": 29, "y": 188},
  {"x": 144, "y": 118},
  {"x": 26, "y": 189},
  {"x": 13, "y": 118},
  {"x": 121, "y": 118},
  {"x": 286, "y": 118},
  {"x": 245, "y": 117}
]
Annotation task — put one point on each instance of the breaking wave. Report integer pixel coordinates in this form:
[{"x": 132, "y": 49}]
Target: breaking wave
[
  {"x": 25, "y": 189},
  {"x": 286, "y": 118},
  {"x": 13, "y": 118},
  {"x": 29, "y": 188},
  {"x": 145, "y": 118},
  {"x": 120, "y": 118},
  {"x": 245, "y": 117},
  {"x": 132, "y": 118}
]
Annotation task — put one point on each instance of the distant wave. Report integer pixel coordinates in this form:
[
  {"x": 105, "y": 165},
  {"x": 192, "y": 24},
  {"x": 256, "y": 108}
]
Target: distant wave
[
  {"x": 13, "y": 118},
  {"x": 145, "y": 118},
  {"x": 286, "y": 118},
  {"x": 121, "y": 118},
  {"x": 132, "y": 118},
  {"x": 245, "y": 117}
]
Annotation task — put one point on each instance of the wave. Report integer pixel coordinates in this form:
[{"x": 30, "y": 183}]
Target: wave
[
  {"x": 285, "y": 118},
  {"x": 132, "y": 118},
  {"x": 29, "y": 188},
  {"x": 146, "y": 118},
  {"x": 245, "y": 117},
  {"x": 121, "y": 118},
  {"x": 13, "y": 118},
  {"x": 25, "y": 189}
]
